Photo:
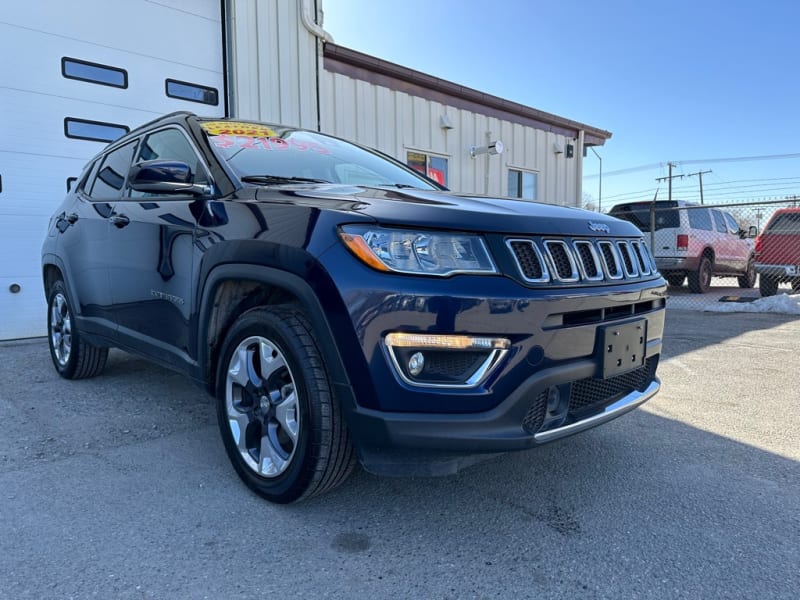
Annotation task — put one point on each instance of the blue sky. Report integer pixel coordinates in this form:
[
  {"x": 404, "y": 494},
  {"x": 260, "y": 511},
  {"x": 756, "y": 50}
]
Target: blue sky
[{"x": 693, "y": 82}]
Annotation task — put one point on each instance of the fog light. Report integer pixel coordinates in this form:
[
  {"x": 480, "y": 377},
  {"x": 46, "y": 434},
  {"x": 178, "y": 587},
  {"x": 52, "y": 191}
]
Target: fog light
[
  {"x": 416, "y": 363},
  {"x": 553, "y": 399}
]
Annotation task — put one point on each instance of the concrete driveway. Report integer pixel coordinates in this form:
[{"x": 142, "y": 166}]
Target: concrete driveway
[{"x": 118, "y": 487}]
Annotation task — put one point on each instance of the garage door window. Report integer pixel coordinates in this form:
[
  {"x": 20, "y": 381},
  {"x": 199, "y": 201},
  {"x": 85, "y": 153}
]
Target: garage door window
[
  {"x": 82, "y": 70},
  {"x": 192, "y": 92},
  {"x": 96, "y": 131}
]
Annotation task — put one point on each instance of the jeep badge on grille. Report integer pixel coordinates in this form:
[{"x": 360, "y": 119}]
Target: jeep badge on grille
[{"x": 599, "y": 227}]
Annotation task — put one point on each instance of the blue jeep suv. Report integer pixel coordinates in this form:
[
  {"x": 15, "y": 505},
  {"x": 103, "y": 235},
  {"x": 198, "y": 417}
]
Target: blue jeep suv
[{"x": 342, "y": 307}]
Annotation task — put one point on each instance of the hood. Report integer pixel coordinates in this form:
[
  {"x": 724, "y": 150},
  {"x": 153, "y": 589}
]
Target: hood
[{"x": 431, "y": 209}]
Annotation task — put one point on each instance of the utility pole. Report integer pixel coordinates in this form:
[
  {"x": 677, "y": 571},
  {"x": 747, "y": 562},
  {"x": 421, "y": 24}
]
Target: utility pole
[
  {"x": 700, "y": 175},
  {"x": 669, "y": 178}
]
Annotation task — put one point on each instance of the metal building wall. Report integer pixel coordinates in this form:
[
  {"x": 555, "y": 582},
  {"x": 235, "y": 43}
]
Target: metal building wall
[
  {"x": 272, "y": 62},
  {"x": 396, "y": 122}
]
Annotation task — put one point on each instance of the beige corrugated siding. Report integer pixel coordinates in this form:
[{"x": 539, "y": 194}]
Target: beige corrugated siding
[
  {"x": 395, "y": 122},
  {"x": 273, "y": 63}
]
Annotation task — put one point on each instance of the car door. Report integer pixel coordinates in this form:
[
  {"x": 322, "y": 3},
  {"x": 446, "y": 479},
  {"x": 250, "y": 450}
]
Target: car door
[
  {"x": 151, "y": 272},
  {"x": 723, "y": 248},
  {"x": 741, "y": 247},
  {"x": 84, "y": 240}
]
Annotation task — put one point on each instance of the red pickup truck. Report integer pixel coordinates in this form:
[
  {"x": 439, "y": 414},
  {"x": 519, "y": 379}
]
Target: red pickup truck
[{"x": 778, "y": 252}]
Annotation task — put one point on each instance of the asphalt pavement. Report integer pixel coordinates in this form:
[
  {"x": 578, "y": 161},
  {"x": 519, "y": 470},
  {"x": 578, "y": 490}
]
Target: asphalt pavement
[{"x": 118, "y": 487}]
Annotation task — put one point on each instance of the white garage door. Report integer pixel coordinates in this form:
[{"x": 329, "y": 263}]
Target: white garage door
[{"x": 73, "y": 73}]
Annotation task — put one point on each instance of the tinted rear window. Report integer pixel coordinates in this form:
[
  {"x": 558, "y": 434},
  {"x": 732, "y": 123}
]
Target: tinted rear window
[
  {"x": 699, "y": 218},
  {"x": 639, "y": 214},
  {"x": 785, "y": 223}
]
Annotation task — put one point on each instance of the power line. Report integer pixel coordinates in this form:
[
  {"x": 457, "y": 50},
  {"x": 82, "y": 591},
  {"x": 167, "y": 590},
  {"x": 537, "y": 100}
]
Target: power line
[{"x": 698, "y": 161}]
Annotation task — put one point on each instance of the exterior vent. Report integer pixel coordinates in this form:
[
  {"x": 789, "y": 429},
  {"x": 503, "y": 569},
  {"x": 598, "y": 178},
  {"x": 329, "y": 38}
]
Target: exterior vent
[{"x": 642, "y": 261}]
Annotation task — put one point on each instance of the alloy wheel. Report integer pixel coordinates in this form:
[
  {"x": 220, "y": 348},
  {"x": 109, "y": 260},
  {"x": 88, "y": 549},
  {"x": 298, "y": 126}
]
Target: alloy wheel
[{"x": 262, "y": 406}]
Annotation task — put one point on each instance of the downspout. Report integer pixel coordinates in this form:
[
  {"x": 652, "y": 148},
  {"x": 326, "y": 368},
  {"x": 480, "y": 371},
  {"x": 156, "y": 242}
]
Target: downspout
[{"x": 309, "y": 22}]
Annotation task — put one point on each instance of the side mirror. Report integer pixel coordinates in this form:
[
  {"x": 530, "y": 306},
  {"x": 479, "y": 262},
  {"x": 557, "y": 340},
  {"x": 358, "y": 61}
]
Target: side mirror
[
  {"x": 752, "y": 232},
  {"x": 165, "y": 177}
]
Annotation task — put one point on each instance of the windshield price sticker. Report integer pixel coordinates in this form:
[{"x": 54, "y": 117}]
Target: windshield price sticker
[
  {"x": 251, "y": 130},
  {"x": 266, "y": 143}
]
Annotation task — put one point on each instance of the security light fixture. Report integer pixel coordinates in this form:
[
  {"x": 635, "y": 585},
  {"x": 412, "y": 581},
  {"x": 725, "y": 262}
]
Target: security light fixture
[{"x": 495, "y": 147}]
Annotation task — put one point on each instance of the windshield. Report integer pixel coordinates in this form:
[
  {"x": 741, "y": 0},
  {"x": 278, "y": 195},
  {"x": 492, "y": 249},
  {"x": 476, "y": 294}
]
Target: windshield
[
  {"x": 267, "y": 154},
  {"x": 639, "y": 214}
]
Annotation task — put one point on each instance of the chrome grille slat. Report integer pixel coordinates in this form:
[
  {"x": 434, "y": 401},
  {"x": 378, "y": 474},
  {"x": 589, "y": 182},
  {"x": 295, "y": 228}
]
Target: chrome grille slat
[
  {"x": 564, "y": 267},
  {"x": 568, "y": 261}
]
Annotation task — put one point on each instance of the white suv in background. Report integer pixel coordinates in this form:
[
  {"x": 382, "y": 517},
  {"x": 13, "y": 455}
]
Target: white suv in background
[{"x": 695, "y": 242}]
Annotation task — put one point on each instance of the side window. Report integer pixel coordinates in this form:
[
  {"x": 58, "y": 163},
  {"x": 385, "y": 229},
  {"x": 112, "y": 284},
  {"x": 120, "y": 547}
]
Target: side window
[
  {"x": 111, "y": 177},
  {"x": 699, "y": 218},
  {"x": 719, "y": 221},
  {"x": 733, "y": 226},
  {"x": 170, "y": 144}
]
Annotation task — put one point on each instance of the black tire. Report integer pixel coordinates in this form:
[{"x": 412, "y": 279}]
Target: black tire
[
  {"x": 748, "y": 280},
  {"x": 73, "y": 357},
  {"x": 700, "y": 280},
  {"x": 282, "y": 428},
  {"x": 768, "y": 286},
  {"x": 796, "y": 286},
  {"x": 675, "y": 279}
]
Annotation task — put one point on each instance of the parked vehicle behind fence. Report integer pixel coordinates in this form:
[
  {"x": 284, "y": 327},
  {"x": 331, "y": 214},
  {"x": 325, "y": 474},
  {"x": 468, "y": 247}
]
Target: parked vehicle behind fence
[
  {"x": 694, "y": 242},
  {"x": 778, "y": 252}
]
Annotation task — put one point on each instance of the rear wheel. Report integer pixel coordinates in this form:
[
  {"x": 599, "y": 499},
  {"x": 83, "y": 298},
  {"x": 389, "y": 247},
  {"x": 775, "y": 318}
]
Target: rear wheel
[
  {"x": 748, "y": 279},
  {"x": 700, "y": 280},
  {"x": 281, "y": 425},
  {"x": 796, "y": 286},
  {"x": 72, "y": 357},
  {"x": 675, "y": 279},
  {"x": 768, "y": 286}
]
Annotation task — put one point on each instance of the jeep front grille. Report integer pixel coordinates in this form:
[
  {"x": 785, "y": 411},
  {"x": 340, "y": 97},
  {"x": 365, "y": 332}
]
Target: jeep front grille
[{"x": 582, "y": 261}]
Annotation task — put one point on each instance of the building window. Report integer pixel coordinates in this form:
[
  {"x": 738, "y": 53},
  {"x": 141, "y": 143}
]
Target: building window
[
  {"x": 82, "y": 70},
  {"x": 192, "y": 92},
  {"x": 522, "y": 184},
  {"x": 434, "y": 167},
  {"x": 96, "y": 131}
]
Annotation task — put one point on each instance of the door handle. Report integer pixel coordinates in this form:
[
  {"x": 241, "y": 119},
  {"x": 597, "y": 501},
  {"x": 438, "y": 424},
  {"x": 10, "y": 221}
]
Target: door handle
[
  {"x": 119, "y": 221},
  {"x": 71, "y": 218}
]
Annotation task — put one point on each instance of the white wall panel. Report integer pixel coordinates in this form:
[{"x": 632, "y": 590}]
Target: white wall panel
[{"x": 151, "y": 41}]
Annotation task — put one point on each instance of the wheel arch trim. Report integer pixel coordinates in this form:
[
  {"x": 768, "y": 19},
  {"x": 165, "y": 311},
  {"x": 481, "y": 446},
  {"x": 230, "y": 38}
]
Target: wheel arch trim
[{"x": 278, "y": 278}]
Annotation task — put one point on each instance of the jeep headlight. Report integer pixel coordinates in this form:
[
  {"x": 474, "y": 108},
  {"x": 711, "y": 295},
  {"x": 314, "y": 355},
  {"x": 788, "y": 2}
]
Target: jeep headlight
[{"x": 417, "y": 251}]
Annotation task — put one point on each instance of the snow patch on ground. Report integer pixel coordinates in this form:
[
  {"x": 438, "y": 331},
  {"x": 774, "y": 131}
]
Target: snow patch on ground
[{"x": 783, "y": 304}]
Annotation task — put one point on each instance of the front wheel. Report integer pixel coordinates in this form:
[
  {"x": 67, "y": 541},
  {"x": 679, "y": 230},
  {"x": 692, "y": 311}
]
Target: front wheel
[
  {"x": 700, "y": 280},
  {"x": 72, "y": 357},
  {"x": 748, "y": 279},
  {"x": 280, "y": 423}
]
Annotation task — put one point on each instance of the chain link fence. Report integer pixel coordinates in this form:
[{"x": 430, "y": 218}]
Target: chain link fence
[{"x": 712, "y": 253}]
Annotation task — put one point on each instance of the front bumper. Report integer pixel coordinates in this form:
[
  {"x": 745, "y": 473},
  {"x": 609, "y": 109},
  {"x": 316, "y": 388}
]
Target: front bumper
[{"x": 440, "y": 444}]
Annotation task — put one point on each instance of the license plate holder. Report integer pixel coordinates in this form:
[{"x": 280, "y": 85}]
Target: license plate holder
[{"x": 622, "y": 347}]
